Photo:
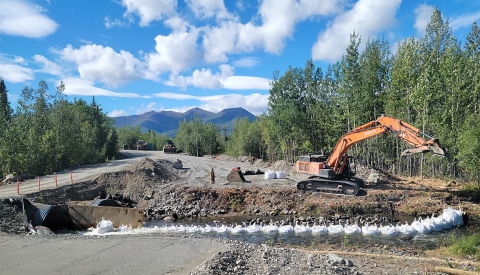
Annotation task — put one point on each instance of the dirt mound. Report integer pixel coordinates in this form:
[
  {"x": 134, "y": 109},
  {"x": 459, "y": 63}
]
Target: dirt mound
[{"x": 140, "y": 182}]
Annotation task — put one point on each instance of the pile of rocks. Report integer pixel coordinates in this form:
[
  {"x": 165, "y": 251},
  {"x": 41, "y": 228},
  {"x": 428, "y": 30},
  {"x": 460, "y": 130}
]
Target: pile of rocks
[
  {"x": 11, "y": 221},
  {"x": 243, "y": 258}
]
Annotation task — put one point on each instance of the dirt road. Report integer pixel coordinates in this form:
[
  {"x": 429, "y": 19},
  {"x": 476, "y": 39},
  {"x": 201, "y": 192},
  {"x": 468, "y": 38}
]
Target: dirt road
[
  {"x": 196, "y": 172},
  {"x": 82, "y": 173}
]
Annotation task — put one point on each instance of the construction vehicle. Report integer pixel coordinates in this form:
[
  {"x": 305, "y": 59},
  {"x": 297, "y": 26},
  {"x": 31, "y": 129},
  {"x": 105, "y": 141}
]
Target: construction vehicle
[
  {"x": 141, "y": 144},
  {"x": 335, "y": 173},
  {"x": 169, "y": 147}
]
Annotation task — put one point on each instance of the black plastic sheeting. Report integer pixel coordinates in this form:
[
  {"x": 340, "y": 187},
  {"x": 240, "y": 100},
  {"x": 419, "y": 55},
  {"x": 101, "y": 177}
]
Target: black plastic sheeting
[{"x": 106, "y": 202}]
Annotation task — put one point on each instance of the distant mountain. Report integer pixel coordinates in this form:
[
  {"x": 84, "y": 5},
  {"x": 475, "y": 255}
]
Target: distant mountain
[{"x": 167, "y": 122}]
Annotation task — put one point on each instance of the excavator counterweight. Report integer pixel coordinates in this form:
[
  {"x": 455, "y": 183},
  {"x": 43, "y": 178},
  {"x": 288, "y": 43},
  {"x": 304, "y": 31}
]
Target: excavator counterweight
[{"x": 335, "y": 173}]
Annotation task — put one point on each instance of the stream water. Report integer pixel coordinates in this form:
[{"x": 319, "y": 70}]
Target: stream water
[{"x": 237, "y": 229}]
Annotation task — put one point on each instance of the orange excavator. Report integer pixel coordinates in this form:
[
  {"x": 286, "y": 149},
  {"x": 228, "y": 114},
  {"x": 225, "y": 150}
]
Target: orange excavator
[{"x": 335, "y": 173}]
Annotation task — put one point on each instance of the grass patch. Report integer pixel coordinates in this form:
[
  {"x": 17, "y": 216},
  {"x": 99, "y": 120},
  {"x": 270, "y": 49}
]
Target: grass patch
[{"x": 466, "y": 246}]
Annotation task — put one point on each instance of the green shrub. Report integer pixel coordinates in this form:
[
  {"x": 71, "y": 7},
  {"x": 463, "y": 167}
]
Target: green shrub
[{"x": 466, "y": 246}]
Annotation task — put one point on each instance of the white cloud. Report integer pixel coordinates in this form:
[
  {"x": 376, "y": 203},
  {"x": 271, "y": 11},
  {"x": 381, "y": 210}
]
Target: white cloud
[
  {"x": 113, "y": 23},
  {"x": 117, "y": 113},
  {"x": 224, "y": 78},
  {"x": 278, "y": 20},
  {"x": 147, "y": 108},
  {"x": 202, "y": 78},
  {"x": 15, "y": 74},
  {"x": 423, "y": 12},
  {"x": 83, "y": 41},
  {"x": 82, "y": 87},
  {"x": 246, "y": 83},
  {"x": 255, "y": 103},
  {"x": 149, "y": 10},
  {"x": 99, "y": 63},
  {"x": 176, "y": 23},
  {"x": 21, "y": 18},
  {"x": 209, "y": 8},
  {"x": 19, "y": 60},
  {"x": 48, "y": 66},
  {"x": 246, "y": 62},
  {"x": 174, "y": 53},
  {"x": 464, "y": 20},
  {"x": 367, "y": 17}
]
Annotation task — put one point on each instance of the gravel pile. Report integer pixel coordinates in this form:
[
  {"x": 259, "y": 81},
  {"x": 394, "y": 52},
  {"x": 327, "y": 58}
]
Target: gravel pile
[
  {"x": 243, "y": 258},
  {"x": 11, "y": 217}
]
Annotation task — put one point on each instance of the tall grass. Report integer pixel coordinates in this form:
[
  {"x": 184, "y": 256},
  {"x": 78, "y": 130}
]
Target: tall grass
[{"x": 468, "y": 245}]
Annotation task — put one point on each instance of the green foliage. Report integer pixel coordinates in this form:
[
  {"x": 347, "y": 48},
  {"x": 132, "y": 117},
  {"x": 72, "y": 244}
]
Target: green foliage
[
  {"x": 469, "y": 147},
  {"x": 198, "y": 138},
  {"x": 47, "y": 133},
  {"x": 468, "y": 245}
]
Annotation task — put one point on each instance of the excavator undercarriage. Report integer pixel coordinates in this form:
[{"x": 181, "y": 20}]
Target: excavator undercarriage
[{"x": 334, "y": 186}]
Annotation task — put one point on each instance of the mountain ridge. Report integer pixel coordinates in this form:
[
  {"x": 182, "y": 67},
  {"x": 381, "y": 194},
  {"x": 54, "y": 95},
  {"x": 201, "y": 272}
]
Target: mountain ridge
[{"x": 167, "y": 122}]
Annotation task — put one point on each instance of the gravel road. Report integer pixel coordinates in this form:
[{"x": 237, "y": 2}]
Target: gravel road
[
  {"x": 196, "y": 172},
  {"x": 82, "y": 173}
]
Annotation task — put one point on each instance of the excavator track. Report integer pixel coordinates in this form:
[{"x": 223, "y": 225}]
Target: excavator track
[{"x": 330, "y": 186}]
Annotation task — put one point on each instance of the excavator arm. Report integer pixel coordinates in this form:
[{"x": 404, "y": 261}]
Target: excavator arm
[
  {"x": 382, "y": 125},
  {"x": 331, "y": 175}
]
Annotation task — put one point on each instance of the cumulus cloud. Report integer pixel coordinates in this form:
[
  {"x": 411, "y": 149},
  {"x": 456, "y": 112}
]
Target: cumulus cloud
[
  {"x": 117, "y": 113},
  {"x": 48, "y": 66},
  {"x": 278, "y": 20},
  {"x": 423, "y": 12},
  {"x": 82, "y": 87},
  {"x": 149, "y": 10},
  {"x": 246, "y": 83},
  {"x": 209, "y": 8},
  {"x": 203, "y": 78},
  {"x": 464, "y": 20},
  {"x": 367, "y": 18},
  {"x": 174, "y": 52},
  {"x": 255, "y": 103},
  {"x": 99, "y": 63},
  {"x": 21, "y": 18}
]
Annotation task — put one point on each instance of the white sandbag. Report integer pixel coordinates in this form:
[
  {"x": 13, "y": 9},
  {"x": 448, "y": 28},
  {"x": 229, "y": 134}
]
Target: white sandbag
[
  {"x": 270, "y": 175},
  {"x": 280, "y": 175}
]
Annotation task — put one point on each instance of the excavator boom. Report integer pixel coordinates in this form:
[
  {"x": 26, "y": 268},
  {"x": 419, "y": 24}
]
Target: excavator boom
[{"x": 333, "y": 173}]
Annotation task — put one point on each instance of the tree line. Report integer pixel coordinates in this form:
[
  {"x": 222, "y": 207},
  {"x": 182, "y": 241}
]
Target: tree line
[
  {"x": 431, "y": 82},
  {"x": 47, "y": 133}
]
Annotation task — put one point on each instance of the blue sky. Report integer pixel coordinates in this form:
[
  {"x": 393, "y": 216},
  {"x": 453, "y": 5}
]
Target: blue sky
[{"x": 136, "y": 56}]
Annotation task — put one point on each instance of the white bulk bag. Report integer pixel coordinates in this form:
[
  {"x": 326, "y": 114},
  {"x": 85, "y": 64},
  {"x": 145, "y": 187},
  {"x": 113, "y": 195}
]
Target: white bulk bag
[
  {"x": 281, "y": 175},
  {"x": 270, "y": 175}
]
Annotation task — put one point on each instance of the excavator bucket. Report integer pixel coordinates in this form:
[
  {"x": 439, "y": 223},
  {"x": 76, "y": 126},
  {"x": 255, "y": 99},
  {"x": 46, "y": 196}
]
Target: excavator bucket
[
  {"x": 236, "y": 175},
  {"x": 437, "y": 151}
]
